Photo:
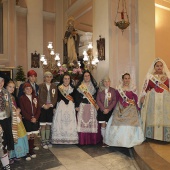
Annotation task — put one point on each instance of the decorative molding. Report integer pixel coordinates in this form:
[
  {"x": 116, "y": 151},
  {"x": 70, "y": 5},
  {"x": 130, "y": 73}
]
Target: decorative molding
[
  {"x": 76, "y": 6},
  {"x": 5, "y": 56},
  {"x": 21, "y": 9},
  {"x": 162, "y": 7},
  {"x": 84, "y": 12},
  {"x": 49, "y": 15}
]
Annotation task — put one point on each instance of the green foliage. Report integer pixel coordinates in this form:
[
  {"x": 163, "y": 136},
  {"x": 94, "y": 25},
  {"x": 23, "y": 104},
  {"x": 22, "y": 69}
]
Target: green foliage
[{"x": 20, "y": 76}]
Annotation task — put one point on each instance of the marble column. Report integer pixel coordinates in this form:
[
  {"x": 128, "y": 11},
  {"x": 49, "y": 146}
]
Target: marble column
[
  {"x": 59, "y": 28},
  {"x": 146, "y": 38},
  {"x": 35, "y": 32}
]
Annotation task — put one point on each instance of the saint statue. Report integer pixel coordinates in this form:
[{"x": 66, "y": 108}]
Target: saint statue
[{"x": 71, "y": 43}]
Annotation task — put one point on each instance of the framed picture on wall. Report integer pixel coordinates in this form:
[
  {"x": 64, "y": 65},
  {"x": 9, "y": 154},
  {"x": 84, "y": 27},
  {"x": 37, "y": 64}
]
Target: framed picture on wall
[
  {"x": 101, "y": 48},
  {"x": 7, "y": 71},
  {"x": 35, "y": 60}
]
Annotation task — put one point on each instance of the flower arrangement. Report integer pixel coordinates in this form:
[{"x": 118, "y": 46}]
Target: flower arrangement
[{"x": 74, "y": 72}]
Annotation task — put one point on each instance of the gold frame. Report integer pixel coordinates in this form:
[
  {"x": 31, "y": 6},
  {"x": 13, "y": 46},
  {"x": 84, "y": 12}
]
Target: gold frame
[{"x": 7, "y": 71}]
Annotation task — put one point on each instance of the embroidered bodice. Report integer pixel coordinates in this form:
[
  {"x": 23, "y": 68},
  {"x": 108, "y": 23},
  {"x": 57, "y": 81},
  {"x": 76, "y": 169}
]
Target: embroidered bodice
[
  {"x": 151, "y": 85},
  {"x": 130, "y": 95}
]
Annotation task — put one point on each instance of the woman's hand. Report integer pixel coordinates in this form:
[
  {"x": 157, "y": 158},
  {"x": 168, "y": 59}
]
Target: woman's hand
[
  {"x": 142, "y": 99},
  {"x": 106, "y": 111},
  {"x": 77, "y": 109},
  {"x": 46, "y": 106},
  {"x": 33, "y": 120}
]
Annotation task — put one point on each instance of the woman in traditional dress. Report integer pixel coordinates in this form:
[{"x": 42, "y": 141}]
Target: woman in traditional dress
[
  {"x": 155, "y": 97},
  {"x": 124, "y": 127},
  {"x": 106, "y": 100},
  {"x": 86, "y": 106},
  {"x": 21, "y": 146},
  {"x": 64, "y": 126}
]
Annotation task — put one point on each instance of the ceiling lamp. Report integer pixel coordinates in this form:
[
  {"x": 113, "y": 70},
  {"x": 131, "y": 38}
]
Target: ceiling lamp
[{"x": 124, "y": 22}]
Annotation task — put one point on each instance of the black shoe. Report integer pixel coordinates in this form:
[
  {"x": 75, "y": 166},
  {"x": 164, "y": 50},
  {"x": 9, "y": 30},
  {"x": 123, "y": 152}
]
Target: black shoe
[{"x": 7, "y": 167}]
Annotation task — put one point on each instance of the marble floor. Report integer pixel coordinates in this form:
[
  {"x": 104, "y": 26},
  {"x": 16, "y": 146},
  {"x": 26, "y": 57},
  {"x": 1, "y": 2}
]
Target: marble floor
[{"x": 76, "y": 157}]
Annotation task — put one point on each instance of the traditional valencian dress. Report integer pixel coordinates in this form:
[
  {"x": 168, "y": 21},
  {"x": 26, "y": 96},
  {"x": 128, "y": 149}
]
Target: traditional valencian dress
[
  {"x": 124, "y": 126},
  {"x": 155, "y": 111},
  {"x": 21, "y": 147},
  {"x": 64, "y": 126},
  {"x": 88, "y": 129}
]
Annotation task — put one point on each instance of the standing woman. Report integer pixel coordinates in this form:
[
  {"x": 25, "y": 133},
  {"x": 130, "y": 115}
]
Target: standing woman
[
  {"x": 155, "y": 97},
  {"x": 21, "y": 141},
  {"x": 106, "y": 100},
  {"x": 124, "y": 127},
  {"x": 64, "y": 126},
  {"x": 87, "y": 110},
  {"x": 48, "y": 100}
]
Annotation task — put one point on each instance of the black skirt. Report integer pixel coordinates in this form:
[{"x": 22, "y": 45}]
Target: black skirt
[
  {"x": 101, "y": 117},
  {"x": 31, "y": 127},
  {"x": 46, "y": 116},
  {"x": 8, "y": 143}
]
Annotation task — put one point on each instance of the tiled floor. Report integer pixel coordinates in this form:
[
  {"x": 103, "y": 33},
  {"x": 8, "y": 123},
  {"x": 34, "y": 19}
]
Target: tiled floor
[{"x": 75, "y": 157}]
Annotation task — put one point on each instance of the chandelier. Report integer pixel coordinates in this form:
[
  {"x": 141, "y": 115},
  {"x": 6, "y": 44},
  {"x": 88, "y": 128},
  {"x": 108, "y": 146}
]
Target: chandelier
[
  {"x": 52, "y": 61},
  {"x": 90, "y": 62},
  {"x": 124, "y": 22}
]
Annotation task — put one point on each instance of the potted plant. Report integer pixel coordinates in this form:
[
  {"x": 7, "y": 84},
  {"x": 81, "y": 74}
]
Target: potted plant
[{"x": 20, "y": 76}]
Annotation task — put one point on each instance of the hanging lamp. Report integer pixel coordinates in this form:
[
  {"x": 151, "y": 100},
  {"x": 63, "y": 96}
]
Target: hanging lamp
[{"x": 124, "y": 22}]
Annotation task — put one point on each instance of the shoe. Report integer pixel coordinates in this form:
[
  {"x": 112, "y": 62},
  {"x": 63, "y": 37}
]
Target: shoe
[
  {"x": 7, "y": 167},
  {"x": 28, "y": 158},
  {"x": 36, "y": 148},
  {"x": 33, "y": 155},
  {"x": 105, "y": 145},
  {"x": 44, "y": 145},
  {"x": 17, "y": 159},
  {"x": 49, "y": 144},
  {"x": 11, "y": 161}
]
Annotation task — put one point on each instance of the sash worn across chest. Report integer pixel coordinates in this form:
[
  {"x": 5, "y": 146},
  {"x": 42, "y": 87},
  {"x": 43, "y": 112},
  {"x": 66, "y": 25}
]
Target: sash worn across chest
[
  {"x": 89, "y": 97},
  {"x": 124, "y": 97},
  {"x": 158, "y": 83},
  {"x": 62, "y": 91},
  {"x": 14, "y": 122}
]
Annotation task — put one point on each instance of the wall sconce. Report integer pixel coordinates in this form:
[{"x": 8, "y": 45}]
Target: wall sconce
[
  {"x": 124, "y": 22},
  {"x": 52, "y": 62},
  {"x": 90, "y": 61}
]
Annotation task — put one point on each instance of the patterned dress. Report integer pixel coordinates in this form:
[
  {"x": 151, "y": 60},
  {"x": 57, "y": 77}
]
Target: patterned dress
[
  {"x": 21, "y": 147},
  {"x": 155, "y": 111},
  {"x": 124, "y": 126},
  {"x": 64, "y": 126},
  {"x": 88, "y": 127}
]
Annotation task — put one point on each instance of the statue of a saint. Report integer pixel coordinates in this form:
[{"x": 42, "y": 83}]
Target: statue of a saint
[{"x": 71, "y": 43}]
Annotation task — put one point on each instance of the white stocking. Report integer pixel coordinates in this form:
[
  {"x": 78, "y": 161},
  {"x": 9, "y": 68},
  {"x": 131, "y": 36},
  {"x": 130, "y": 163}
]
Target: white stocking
[
  {"x": 5, "y": 160},
  {"x": 103, "y": 131}
]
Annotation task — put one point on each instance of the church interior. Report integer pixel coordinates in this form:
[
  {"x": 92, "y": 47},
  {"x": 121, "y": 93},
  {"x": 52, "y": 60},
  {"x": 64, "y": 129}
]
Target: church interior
[{"x": 27, "y": 27}]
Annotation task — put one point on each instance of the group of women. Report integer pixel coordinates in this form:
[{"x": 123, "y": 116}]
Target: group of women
[{"x": 87, "y": 112}]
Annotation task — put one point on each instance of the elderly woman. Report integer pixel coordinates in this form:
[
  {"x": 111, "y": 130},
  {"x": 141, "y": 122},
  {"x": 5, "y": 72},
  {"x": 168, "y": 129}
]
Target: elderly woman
[
  {"x": 124, "y": 127},
  {"x": 106, "y": 100},
  {"x": 155, "y": 97},
  {"x": 48, "y": 100},
  {"x": 86, "y": 106}
]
